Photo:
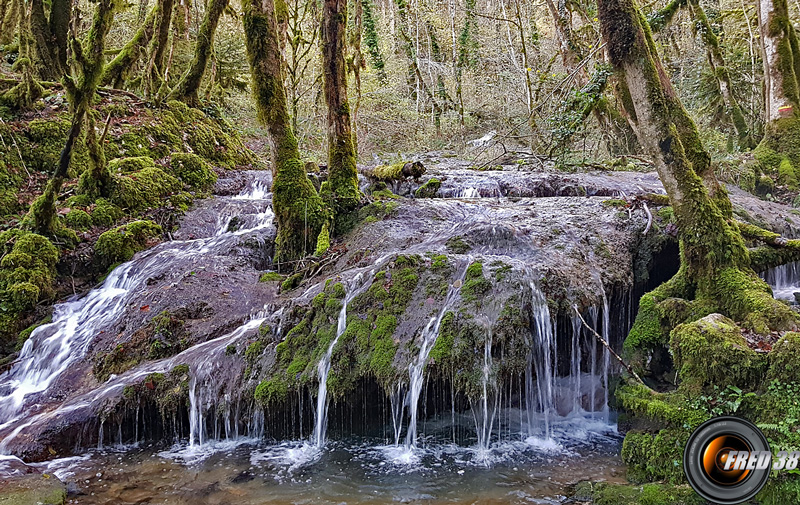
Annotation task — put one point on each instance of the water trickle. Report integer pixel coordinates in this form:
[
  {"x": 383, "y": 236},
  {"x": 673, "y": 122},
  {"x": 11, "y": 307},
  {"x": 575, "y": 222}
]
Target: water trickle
[
  {"x": 417, "y": 367},
  {"x": 487, "y": 407},
  {"x": 324, "y": 365},
  {"x": 541, "y": 365}
]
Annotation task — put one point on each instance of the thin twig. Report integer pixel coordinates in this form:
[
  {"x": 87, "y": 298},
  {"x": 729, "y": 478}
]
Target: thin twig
[{"x": 603, "y": 341}]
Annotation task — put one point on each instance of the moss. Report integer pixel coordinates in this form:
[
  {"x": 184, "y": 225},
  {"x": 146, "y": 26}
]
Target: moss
[
  {"x": 655, "y": 457},
  {"x": 193, "y": 170},
  {"x": 253, "y": 351},
  {"x": 121, "y": 243},
  {"x": 475, "y": 284},
  {"x": 105, "y": 213},
  {"x": 271, "y": 391},
  {"x": 713, "y": 351},
  {"x": 27, "y": 270},
  {"x": 784, "y": 360},
  {"x": 270, "y": 277},
  {"x": 429, "y": 189},
  {"x": 378, "y": 210},
  {"x": 323, "y": 241},
  {"x": 78, "y": 220},
  {"x": 786, "y": 174},
  {"x": 765, "y": 186},
  {"x": 649, "y": 494},
  {"x": 292, "y": 282},
  {"x": 128, "y": 165},
  {"x": 398, "y": 171},
  {"x": 142, "y": 189},
  {"x": 611, "y": 202},
  {"x": 457, "y": 245}
]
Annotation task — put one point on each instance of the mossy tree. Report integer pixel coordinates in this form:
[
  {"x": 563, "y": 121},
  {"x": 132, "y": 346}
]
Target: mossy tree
[
  {"x": 781, "y": 56},
  {"x": 715, "y": 273},
  {"x": 343, "y": 179},
  {"x": 81, "y": 86},
  {"x": 155, "y": 32},
  {"x": 299, "y": 211},
  {"x": 28, "y": 90},
  {"x": 187, "y": 88},
  {"x": 49, "y": 36},
  {"x": 716, "y": 61}
]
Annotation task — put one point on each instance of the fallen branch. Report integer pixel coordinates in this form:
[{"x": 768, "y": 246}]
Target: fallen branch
[{"x": 607, "y": 346}]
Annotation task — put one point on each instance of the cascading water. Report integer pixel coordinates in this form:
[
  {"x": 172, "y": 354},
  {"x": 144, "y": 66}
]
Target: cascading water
[
  {"x": 417, "y": 367},
  {"x": 785, "y": 281},
  {"x": 324, "y": 365},
  {"x": 484, "y": 418},
  {"x": 541, "y": 365},
  {"x": 54, "y": 347}
]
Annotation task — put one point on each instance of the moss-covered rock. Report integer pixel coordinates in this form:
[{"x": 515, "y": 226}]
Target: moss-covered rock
[
  {"x": 193, "y": 170},
  {"x": 121, "y": 243},
  {"x": 397, "y": 171},
  {"x": 648, "y": 494},
  {"x": 712, "y": 351},
  {"x": 105, "y": 213},
  {"x": 429, "y": 189},
  {"x": 142, "y": 189},
  {"x": 128, "y": 165},
  {"x": 784, "y": 360},
  {"x": 27, "y": 270},
  {"x": 78, "y": 219}
]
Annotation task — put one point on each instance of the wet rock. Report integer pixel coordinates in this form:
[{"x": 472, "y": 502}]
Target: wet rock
[{"x": 31, "y": 487}]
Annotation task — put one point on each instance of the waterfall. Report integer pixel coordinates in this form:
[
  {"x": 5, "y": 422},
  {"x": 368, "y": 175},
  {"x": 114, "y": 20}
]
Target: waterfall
[
  {"x": 417, "y": 367},
  {"x": 606, "y": 355},
  {"x": 53, "y": 348},
  {"x": 541, "y": 364},
  {"x": 784, "y": 280},
  {"x": 359, "y": 284},
  {"x": 484, "y": 420}
]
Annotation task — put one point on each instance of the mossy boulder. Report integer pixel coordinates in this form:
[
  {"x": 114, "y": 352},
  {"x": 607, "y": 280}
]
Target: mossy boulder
[
  {"x": 193, "y": 170},
  {"x": 712, "y": 351},
  {"x": 397, "y": 171},
  {"x": 78, "y": 219},
  {"x": 33, "y": 488},
  {"x": 784, "y": 360},
  {"x": 429, "y": 189},
  {"x": 128, "y": 165},
  {"x": 144, "y": 188},
  {"x": 105, "y": 213},
  {"x": 27, "y": 270},
  {"x": 121, "y": 243}
]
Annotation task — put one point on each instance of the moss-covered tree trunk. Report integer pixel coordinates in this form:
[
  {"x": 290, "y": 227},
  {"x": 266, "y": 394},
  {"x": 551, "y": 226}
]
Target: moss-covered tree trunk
[
  {"x": 155, "y": 73},
  {"x": 28, "y": 90},
  {"x": 48, "y": 66},
  {"x": 343, "y": 179},
  {"x": 715, "y": 273},
  {"x": 81, "y": 86},
  {"x": 779, "y": 150},
  {"x": 187, "y": 88},
  {"x": 117, "y": 69},
  {"x": 720, "y": 70},
  {"x": 299, "y": 211},
  {"x": 60, "y": 17}
]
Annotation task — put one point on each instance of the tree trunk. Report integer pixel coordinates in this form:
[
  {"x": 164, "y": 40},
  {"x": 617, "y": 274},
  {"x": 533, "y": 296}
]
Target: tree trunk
[
  {"x": 343, "y": 178},
  {"x": 28, "y": 90},
  {"x": 371, "y": 39},
  {"x": 188, "y": 86},
  {"x": 155, "y": 73},
  {"x": 117, "y": 69},
  {"x": 48, "y": 67},
  {"x": 80, "y": 87},
  {"x": 60, "y": 15},
  {"x": 299, "y": 211},
  {"x": 715, "y": 273},
  {"x": 779, "y": 150}
]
